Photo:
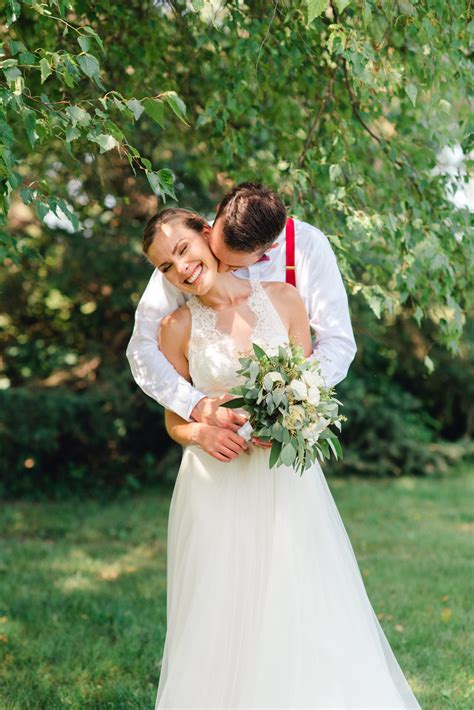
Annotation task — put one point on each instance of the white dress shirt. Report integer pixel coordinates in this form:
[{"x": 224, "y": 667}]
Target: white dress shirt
[{"x": 319, "y": 283}]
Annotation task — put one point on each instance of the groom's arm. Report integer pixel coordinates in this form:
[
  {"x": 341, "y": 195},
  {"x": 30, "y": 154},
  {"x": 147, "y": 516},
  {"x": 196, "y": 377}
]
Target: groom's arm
[
  {"x": 150, "y": 369},
  {"x": 153, "y": 372},
  {"x": 328, "y": 307}
]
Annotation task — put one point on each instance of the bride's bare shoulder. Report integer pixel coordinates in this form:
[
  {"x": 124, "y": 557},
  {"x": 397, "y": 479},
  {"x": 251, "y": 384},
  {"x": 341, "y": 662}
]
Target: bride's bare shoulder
[
  {"x": 176, "y": 325},
  {"x": 281, "y": 291},
  {"x": 173, "y": 339}
]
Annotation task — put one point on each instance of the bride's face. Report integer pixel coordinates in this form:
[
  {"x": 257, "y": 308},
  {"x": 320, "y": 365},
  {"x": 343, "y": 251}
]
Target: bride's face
[{"x": 184, "y": 258}]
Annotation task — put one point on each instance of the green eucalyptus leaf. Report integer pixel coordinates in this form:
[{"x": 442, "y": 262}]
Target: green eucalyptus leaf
[
  {"x": 274, "y": 453},
  {"x": 288, "y": 454},
  {"x": 119, "y": 104},
  {"x": 261, "y": 355},
  {"x": 27, "y": 195},
  {"x": 234, "y": 403},
  {"x": 277, "y": 432}
]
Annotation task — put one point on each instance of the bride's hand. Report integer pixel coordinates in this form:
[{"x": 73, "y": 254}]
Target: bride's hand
[
  {"x": 209, "y": 411},
  {"x": 223, "y": 444}
]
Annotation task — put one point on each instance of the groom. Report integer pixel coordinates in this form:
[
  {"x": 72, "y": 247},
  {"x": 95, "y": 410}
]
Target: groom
[{"x": 248, "y": 236}]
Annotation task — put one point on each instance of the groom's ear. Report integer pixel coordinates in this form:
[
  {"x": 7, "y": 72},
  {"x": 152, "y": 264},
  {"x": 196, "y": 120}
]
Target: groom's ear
[{"x": 272, "y": 246}]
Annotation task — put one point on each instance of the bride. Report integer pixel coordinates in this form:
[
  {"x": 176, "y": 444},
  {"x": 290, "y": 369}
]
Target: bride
[{"x": 266, "y": 606}]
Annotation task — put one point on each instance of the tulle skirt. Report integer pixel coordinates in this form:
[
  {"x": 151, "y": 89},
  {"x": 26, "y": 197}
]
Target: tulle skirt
[{"x": 266, "y": 606}]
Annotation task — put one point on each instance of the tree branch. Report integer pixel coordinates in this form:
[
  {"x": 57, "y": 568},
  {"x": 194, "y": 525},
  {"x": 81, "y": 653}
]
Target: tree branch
[{"x": 317, "y": 119}]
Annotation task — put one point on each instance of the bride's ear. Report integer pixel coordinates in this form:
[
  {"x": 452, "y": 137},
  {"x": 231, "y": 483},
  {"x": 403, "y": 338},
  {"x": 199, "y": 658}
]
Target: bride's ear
[{"x": 206, "y": 231}]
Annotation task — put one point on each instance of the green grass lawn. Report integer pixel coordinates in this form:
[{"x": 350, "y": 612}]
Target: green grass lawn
[{"x": 83, "y": 591}]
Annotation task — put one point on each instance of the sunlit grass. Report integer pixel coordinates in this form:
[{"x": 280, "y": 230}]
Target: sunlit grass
[{"x": 83, "y": 591}]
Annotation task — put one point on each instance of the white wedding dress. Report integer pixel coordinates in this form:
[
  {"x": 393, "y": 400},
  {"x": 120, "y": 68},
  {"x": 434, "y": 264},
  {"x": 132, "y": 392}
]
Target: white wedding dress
[{"x": 266, "y": 606}]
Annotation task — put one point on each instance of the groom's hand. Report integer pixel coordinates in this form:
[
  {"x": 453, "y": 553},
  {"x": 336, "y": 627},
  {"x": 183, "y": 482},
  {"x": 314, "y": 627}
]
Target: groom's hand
[
  {"x": 223, "y": 444},
  {"x": 258, "y": 442},
  {"x": 209, "y": 411}
]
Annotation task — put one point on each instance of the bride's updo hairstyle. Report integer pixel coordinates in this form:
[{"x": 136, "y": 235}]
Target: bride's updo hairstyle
[
  {"x": 171, "y": 214},
  {"x": 253, "y": 217}
]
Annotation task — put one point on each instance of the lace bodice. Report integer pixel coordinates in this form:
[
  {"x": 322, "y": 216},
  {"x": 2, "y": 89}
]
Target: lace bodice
[{"x": 214, "y": 353}]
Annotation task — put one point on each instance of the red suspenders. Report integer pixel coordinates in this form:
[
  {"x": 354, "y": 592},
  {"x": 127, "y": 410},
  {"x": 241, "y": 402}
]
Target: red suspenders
[{"x": 290, "y": 252}]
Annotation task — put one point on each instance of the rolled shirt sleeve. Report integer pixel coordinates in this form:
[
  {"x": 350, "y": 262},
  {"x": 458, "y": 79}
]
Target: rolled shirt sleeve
[{"x": 150, "y": 368}]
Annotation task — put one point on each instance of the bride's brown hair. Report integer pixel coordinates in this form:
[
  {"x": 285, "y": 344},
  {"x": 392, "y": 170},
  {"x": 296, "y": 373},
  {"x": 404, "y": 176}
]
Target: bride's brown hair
[{"x": 190, "y": 219}]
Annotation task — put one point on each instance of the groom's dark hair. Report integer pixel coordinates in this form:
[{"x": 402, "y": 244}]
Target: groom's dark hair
[{"x": 253, "y": 217}]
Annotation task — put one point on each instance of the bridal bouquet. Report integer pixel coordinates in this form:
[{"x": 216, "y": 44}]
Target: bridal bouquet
[{"x": 288, "y": 404}]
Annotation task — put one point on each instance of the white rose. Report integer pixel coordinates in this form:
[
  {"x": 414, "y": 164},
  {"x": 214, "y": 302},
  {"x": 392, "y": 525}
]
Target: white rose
[
  {"x": 273, "y": 345},
  {"x": 298, "y": 389},
  {"x": 312, "y": 431},
  {"x": 314, "y": 396},
  {"x": 312, "y": 379},
  {"x": 271, "y": 378}
]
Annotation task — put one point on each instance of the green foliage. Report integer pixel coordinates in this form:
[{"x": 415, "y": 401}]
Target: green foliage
[
  {"x": 389, "y": 432},
  {"x": 41, "y": 48},
  {"x": 59, "y": 443},
  {"x": 69, "y": 407},
  {"x": 342, "y": 106},
  {"x": 344, "y": 110},
  {"x": 343, "y": 113},
  {"x": 399, "y": 412}
]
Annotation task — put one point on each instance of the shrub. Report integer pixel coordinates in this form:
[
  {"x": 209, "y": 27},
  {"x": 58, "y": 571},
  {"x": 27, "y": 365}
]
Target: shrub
[
  {"x": 388, "y": 431},
  {"x": 56, "y": 442}
]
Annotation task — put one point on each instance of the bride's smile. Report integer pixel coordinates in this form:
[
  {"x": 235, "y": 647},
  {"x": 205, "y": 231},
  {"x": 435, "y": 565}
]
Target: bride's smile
[
  {"x": 195, "y": 274},
  {"x": 184, "y": 257}
]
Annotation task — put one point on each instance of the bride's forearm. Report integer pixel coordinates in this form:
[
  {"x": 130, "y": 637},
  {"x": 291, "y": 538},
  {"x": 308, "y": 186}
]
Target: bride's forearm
[{"x": 181, "y": 431}]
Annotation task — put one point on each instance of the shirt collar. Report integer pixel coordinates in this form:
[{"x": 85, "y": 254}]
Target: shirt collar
[{"x": 280, "y": 240}]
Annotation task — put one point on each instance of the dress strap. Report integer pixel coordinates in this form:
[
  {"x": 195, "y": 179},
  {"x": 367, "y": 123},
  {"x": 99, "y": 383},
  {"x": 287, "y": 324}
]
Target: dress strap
[
  {"x": 203, "y": 320},
  {"x": 269, "y": 323}
]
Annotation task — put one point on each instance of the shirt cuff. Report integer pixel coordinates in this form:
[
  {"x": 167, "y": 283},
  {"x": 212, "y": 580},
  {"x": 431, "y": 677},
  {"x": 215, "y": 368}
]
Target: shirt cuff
[{"x": 196, "y": 397}]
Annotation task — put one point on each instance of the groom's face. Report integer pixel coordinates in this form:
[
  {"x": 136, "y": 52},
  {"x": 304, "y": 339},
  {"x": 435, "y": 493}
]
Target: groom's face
[{"x": 229, "y": 260}]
